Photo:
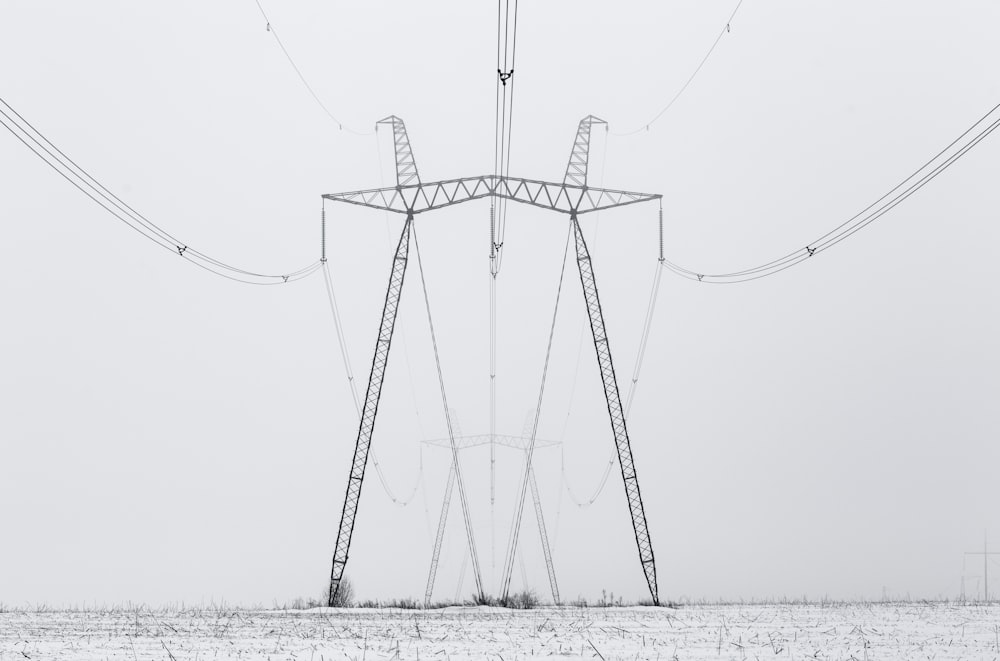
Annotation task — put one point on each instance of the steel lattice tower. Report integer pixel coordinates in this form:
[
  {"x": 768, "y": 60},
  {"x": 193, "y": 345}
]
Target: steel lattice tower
[{"x": 411, "y": 196}]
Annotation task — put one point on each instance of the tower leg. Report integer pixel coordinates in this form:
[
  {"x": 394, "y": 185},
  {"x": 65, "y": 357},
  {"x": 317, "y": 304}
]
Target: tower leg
[
  {"x": 367, "y": 424},
  {"x": 439, "y": 538},
  {"x": 615, "y": 409},
  {"x": 543, "y": 533}
]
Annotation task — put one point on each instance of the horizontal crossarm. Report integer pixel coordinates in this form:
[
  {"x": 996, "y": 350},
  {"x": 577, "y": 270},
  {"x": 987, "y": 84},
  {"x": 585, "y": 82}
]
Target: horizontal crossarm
[
  {"x": 516, "y": 442},
  {"x": 562, "y": 197}
]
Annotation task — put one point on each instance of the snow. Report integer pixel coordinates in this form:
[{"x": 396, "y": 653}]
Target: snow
[{"x": 842, "y": 631}]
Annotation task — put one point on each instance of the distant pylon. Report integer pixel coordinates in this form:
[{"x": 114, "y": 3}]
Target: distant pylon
[{"x": 986, "y": 553}]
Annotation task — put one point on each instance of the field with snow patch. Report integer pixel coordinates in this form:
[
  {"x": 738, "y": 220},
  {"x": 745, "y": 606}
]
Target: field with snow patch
[{"x": 843, "y": 631}]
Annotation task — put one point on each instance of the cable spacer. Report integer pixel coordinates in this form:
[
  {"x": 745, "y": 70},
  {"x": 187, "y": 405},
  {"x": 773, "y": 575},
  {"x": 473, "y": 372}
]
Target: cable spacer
[
  {"x": 285, "y": 278},
  {"x": 700, "y": 276},
  {"x": 504, "y": 77},
  {"x": 181, "y": 249},
  {"x": 811, "y": 251}
]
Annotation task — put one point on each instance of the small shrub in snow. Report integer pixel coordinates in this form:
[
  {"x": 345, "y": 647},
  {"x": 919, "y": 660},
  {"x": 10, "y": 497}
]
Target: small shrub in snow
[{"x": 345, "y": 595}]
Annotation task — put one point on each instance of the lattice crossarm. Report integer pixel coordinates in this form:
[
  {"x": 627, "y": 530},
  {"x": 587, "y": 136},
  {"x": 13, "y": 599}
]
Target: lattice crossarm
[
  {"x": 506, "y": 440},
  {"x": 422, "y": 197}
]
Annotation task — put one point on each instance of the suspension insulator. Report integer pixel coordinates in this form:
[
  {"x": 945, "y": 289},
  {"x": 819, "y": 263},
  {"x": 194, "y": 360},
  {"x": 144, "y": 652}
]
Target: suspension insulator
[
  {"x": 493, "y": 232},
  {"x": 322, "y": 239},
  {"x": 661, "y": 230}
]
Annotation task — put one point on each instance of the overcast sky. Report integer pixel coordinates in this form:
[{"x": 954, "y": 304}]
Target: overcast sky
[{"x": 167, "y": 435}]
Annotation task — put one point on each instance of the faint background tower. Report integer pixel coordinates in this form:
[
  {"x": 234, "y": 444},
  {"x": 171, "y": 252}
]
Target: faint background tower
[{"x": 986, "y": 553}]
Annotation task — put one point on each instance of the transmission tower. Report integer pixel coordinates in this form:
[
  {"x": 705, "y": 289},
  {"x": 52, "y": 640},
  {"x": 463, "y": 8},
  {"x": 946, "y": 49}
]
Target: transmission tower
[
  {"x": 411, "y": 196},
  {"x": 986, "y": 553},
  {"x": 464, "y": 442}
]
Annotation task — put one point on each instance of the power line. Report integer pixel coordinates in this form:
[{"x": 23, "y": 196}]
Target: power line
[
  {"x": 907, "y": 187},
  {"x": 503, "y": 121},
  {"x": 298, "y": 72},
  {"x": 504, "y": 115},
  {"x": 725, "y": 30},
  {"x": 87, "y": 184}
]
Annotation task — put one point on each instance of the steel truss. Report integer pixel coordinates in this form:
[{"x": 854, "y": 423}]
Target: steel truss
[
  {"x": 533, "y": 444},
  {"x": 550, "y": 566},
  {"x": 461, "y": 442},
  {"x": 474, "y": 440},
  {"x": 406, "y": 171},
  {"x": 368, "y": 413},
  {"x": 618, "y": 427},
  {"x": 423, "y": 197},
  {"x": 574, "y": 197}
]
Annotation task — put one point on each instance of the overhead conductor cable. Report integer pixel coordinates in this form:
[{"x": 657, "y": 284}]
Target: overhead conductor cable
[
  {"x": 923, "y": 175},
  {"x": 302, "y": 78},
  {"x": 83, "y": 181},
  {"x": 726, "y": 29}
]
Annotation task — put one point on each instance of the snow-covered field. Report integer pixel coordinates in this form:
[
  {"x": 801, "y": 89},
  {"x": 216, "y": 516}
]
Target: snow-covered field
[{"x": 845, "y": 631}]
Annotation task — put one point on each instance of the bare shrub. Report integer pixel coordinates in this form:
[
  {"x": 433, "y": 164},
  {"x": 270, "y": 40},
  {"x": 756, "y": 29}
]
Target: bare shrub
[
  {"x": 523, "y": 600},
  {"x": 526, "y": 599},
  {"x": 406, "y": 603},
  {"x": 344, "y": 598}
]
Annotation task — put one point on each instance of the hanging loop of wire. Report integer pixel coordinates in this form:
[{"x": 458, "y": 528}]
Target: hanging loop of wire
[
  {"x": 583, "y": 502},
  {"x": 647, "y": 328},
  {"x": 353, "y": 387}
]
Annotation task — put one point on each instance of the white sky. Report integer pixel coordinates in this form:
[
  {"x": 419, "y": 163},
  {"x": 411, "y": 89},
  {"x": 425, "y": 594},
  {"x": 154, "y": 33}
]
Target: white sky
[{"x": 167, "y": 436}]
